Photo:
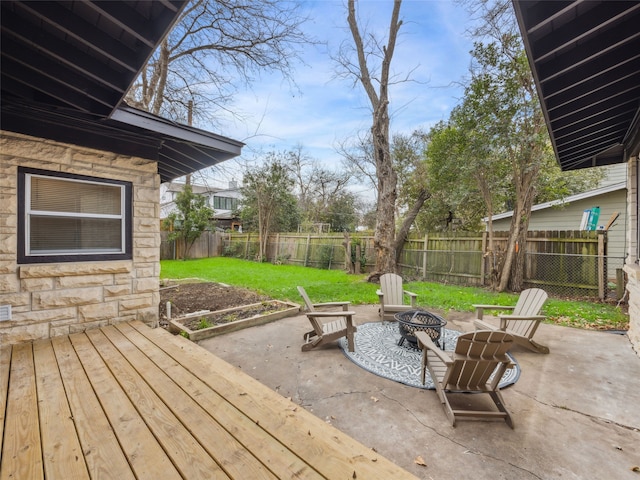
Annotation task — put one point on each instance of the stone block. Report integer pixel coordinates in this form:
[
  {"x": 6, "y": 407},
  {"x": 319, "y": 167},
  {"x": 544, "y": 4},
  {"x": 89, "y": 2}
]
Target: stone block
[
  {"x": 146, "y": 241},
  {"x": 8, "y": 222},
  {"x": 36, "y": 284},
  {"x": 136, "y": 303},
  {"x": 8, "y": 266},
  {"x": 24, "y": 333},
  {"x": 142, "y": 209},
  {"x": 134, "y": 163},
  {"x": 147, "y": 195},
  {"x": 47, "y": 316},
  {"x": 32, "y": 147},
  {"x": 146, "y": 255},
  {"x": 144, "y": 285},
  {"x": 146, "y": 225},
  {"x": 150, "y": 316},
  {"x": 117, "y": 290},
  {"x": 8, "y": 243},
  {"x": 91, "y": 157},
  {"x": 148, "y": 181},
  {"x": 67, "y": 297},
  {"x": 9, "y": 283},
  {"x": 146, "y": 270},
  {"x": 16, "y": 300},
  {"x": 122, "y": 279},
  {"x": 84, "y": 281},
  {"x": 75, "y": 269},
  {"x": 58, "y": 330},
  {"x": 99, "y": 312}
]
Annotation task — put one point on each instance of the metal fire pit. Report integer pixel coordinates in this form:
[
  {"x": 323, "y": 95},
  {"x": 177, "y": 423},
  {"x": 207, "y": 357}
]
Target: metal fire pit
[{"x": 420, "y": 320}]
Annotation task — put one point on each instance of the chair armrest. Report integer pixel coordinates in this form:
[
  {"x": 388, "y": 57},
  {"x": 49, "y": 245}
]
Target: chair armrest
[
  {"x": 522, "y": 317},
  {"x": 481, "y": 308},
  {"x": 344, "y": 305},
  {"x": 379, "y": 293},
  {"x": 518, "y": 318},
  {"x": 425, "y": 342},
  {"x": 340, "y": 313},
  {"x": 412, "y": 297}
]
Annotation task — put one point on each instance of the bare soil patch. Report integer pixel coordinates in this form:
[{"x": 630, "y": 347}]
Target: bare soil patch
[{"x": 193, "y": 297}]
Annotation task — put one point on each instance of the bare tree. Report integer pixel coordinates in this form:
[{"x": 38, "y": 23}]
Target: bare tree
[
  {"x": 320, "y": 190},
  {"x": 376, "y": 85},
  {"x": 357, "y": 159},
  {"x": 408, "y": 157},
  {"x": 215, "y": 46}
]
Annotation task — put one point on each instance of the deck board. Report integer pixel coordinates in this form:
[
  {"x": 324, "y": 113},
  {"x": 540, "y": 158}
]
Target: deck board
[
  {"x": 62, "y": 453},
  {"x": 103, "y": 455},
  {"x": 22, "y": 451},
  {"x": 141, "y": 448},
  {"x": 5, "y": 365},
  {"x": 127, "y": 401}
]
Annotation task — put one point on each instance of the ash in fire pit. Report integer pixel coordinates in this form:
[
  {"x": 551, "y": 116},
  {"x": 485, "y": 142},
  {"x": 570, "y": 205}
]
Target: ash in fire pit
[{"x": 420, "y": 320}]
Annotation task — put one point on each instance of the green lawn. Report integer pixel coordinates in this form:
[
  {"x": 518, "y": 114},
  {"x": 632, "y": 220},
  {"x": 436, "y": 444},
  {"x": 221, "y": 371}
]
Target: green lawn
[{"x": 280, "y": 281}]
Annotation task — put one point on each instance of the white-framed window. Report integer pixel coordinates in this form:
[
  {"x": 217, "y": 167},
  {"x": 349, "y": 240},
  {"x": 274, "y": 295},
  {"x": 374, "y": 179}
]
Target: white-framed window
[
  {"x": 66, "y": 218},
  {"x": 225, "y": 203}
]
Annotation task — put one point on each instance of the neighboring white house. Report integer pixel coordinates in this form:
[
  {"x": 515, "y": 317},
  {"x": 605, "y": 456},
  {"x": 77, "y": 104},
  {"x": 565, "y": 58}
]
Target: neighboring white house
[
  {"x": 566, "y": 214},
  {"x": 224, "y": 202}
]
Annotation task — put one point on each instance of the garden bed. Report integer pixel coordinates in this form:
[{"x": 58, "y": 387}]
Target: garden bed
[{"x": 204, "y": 324}]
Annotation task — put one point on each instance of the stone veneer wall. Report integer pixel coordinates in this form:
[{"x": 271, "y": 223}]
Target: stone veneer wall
[
  {"x": 61, "y": 298},
  {"x": 631, "y": 267}
]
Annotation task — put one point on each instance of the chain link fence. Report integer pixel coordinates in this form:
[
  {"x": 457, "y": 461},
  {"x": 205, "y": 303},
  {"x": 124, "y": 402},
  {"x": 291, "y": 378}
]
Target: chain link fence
[{"x": 576, "y": 276}]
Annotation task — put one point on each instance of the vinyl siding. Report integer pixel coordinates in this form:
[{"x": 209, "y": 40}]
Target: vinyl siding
[{"x": 569, "y": 216}]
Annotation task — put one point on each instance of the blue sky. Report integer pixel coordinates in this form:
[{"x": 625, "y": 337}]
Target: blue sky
[{"x": 325, "y": 111}]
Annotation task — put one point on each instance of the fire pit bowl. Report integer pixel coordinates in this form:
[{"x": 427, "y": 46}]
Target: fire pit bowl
[{"x": 420, "y": 320}]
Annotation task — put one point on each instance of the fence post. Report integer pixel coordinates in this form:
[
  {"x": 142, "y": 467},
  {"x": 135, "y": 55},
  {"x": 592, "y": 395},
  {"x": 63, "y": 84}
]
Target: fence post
[
  {"x": 602, "y": 274},
  {"x": 246, "y": 247},
  {"x": 483, "y": 259},
  {"x": 424, "y": 256},
  {"x": 306, "y": 249},
  {"x": 277, "y": 246},
  {"x": 358, "y": 252}
]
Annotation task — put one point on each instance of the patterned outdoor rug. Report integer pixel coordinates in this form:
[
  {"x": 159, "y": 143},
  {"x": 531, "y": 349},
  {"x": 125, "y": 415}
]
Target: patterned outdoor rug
[{"x": 378, "y": 352}]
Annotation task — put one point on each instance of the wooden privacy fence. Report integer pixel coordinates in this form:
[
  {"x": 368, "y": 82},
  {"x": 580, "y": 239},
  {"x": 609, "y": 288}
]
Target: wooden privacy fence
[{"x": 571, "y": 263}]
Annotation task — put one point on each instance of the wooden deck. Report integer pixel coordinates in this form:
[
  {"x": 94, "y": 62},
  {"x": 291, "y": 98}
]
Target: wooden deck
[{"x": 131, "y": 402}]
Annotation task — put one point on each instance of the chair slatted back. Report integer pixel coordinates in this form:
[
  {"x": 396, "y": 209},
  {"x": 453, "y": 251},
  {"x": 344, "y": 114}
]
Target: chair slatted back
[
  {"x": 530, "y": 303},
  {"x": 317, "y": 325},
  {"x": 391, "y": 286},
  {"x": 476, "y": 357}
]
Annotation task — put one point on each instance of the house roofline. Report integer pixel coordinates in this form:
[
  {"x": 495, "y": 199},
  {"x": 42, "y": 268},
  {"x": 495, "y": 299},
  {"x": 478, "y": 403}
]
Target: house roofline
[{"x": 573, "y": 198}]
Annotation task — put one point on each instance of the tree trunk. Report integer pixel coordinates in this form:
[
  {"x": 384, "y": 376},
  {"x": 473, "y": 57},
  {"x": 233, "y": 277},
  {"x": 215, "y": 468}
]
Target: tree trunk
[
  {"x": 384, "y": 237},
  {"x": 384, "y": 234},
  {"x": 512, "y": 271},
  {"x": 411, "y": 215},
  {"x": 162, "y": 72},
  {"x": 517, "y": 268}
]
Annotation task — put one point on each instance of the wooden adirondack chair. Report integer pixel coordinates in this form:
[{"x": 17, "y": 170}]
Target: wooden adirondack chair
[
  {"x": 477, "y": 356},
  {"x": 392, "y": 294},
  {"x": 324, "y": 332},
  {"x": 523, "y": 320}
]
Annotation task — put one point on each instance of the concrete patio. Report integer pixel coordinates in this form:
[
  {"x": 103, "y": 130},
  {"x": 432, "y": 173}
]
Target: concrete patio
[{"x": 576, "y": 411}]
